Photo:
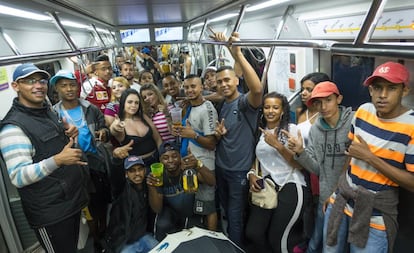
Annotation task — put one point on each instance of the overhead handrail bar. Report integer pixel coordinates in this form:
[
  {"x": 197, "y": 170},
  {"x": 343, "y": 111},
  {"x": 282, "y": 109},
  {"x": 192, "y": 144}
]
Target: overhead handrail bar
[
  {"x": 281, "y": 43},
  {"x": 10, "y": 42},
  {"x": 33, "y": 57},
  {"x": 63, "y": 31},
  {"x": 371, "y": 49},
  {"x": 370, "y": 22}
]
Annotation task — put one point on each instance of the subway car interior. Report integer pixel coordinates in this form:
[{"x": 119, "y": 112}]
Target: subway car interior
[{"x": 286, "y": 39}]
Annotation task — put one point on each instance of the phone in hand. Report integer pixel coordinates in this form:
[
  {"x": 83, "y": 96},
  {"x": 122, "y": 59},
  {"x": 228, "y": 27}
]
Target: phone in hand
[{"x": 260, "y": 182}]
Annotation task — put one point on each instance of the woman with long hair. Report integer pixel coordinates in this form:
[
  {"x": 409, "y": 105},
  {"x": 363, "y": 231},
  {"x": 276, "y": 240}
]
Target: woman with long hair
[
  {"x": 306, "y": 116},
  {"x": 279, "y": 229},
  {"x": 133, "y": 125},
  {"x": 155, "y": 107},
  {"x": 118, "y": 85}
]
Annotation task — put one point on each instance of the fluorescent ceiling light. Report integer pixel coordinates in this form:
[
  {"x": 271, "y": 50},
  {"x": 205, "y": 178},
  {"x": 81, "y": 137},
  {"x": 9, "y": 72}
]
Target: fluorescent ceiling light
[
  {"x": 74, "y": 24},
  {"x": 227, "y": 16},
  {"x": 197, "y": 25},
  {"x": 102, "y": 30},
  {"x": 22, "y": 14},
  {"x": 265, "y": 5}
]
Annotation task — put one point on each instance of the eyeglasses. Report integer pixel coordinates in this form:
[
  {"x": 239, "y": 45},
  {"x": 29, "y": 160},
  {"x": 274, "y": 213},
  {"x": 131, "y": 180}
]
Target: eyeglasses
[{"x": 33, "y": 81}]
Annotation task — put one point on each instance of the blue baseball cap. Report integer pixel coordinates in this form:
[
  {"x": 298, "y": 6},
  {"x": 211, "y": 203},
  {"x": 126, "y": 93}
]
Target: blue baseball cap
[
  {"x": 27, "y": 69},
  {"x": 61, "y": 74},
  {"x": 132, "y": 160},
  {"x": 146, "y": 50}
]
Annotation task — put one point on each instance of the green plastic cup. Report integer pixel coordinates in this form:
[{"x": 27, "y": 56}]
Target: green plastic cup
[{"x": 157, "y": 170}]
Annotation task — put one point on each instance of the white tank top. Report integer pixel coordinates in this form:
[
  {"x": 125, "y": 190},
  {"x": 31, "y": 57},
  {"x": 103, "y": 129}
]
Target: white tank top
[{"x": 305, "y": 127}]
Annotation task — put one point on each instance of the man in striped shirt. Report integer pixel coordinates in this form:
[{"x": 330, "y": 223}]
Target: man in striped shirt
[{"x": 381, "y": 160}]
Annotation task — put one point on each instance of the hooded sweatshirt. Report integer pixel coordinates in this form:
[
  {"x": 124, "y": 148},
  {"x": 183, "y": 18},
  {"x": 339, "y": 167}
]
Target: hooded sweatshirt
[{"x": 324, "y": 154}]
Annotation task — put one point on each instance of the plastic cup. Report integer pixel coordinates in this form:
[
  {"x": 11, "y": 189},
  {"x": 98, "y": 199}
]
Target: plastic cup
[
  {"x": 176, "y": 116},
  {"x": 157, "y": 170}
]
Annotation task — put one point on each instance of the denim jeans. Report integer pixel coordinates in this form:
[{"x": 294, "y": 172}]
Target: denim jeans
[
  {"x": 143, "y": 245},
  {"x": 377, "y": 239},
  {"x": 233, "y": 189},
  {"x": 315, "y": 243}
]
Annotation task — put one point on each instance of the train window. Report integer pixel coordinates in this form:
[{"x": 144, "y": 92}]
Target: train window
[
  {"x": 168, "y": 33},
  {"x": 349, "y": 73},
  {"x": 5, "y": 50},
  {"x": 43, "y": 36},
  {"x": 135, "y": 35},
  {"x": 396, "y": 24},
  {"x": 82, "y": 39}
]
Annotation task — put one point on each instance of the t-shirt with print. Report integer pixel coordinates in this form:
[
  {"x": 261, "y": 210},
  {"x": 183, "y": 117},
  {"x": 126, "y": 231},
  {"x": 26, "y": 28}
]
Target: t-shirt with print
[
  {"x": 203, "y": 120},
  {"x": 175, "y": 197}
]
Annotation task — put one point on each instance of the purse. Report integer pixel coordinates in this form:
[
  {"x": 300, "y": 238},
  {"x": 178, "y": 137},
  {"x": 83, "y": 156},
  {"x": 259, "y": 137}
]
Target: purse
[{"x": 267, "y": 197}]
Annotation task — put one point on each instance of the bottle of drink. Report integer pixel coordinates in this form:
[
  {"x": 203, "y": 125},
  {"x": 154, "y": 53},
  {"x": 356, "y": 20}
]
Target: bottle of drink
[{"x": 190, "y": 181}]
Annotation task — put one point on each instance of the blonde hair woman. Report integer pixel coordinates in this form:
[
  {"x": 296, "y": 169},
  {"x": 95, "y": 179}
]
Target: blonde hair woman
[
  {"x": 157, "y": 109},
  {"x": 118, "y": 85}
]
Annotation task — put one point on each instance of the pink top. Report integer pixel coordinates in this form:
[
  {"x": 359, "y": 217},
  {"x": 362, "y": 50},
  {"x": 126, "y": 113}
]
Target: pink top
[
  {"x": 161, "y": 123},
  {"x": 111, "y": 109}
]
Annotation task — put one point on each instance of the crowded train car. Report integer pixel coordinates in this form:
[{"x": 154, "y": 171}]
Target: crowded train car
[{"x": 310, "y": 99}]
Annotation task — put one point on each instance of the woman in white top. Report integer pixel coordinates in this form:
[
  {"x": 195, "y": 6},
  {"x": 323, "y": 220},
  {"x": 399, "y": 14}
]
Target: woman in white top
[
  {"x": 279, "y": 229},
  {"x": 305, "y": 116}
]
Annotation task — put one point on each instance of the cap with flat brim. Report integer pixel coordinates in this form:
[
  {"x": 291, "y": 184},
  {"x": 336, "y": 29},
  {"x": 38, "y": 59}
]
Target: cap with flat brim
[
  {"x": 133, "y": 160},
  {"x": 323, "y": 90},
  {"x": 393, "y": 72},
  {"x": 60, "y": 75},
  {"x": 27, "y": 69}
]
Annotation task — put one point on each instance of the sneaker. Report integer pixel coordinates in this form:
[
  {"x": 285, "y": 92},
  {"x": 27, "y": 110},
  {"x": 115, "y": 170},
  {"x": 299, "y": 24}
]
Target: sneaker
[{"x": 300, "y": 248}]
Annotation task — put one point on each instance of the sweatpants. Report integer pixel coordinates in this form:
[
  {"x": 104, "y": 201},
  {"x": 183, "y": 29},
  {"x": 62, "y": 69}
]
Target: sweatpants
[{"x": 61, "y": 237}]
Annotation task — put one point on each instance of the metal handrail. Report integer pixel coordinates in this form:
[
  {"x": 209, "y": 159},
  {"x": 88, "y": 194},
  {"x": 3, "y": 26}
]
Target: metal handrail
[
  {"x": 34, "y": 57},
  {"x": 322, "y": 44}
]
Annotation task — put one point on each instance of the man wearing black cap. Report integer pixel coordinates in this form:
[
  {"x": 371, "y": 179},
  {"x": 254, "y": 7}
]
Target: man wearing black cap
[
  {"x": 173, "y": 206},
  {"x": 129, "y": 213},
  {"x": 40, "y": 160}
]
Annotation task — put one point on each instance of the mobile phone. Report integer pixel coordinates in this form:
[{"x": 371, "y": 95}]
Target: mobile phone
[{"x": 260, "y": 182}]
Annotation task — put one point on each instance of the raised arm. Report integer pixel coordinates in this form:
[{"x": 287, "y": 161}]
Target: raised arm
[{"x": 254, "y": 96}]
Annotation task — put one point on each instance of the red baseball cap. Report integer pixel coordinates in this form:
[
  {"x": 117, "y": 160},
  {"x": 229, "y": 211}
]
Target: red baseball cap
[
  {"x": 391, "y": 71},
  {"x": 323, "y": 90}
]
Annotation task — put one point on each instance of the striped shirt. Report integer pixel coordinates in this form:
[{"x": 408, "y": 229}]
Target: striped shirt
[
  {"x": 161, "y": 123},
  {"x": 17, "y": 151},
  {"x": 390, "y": 139}
]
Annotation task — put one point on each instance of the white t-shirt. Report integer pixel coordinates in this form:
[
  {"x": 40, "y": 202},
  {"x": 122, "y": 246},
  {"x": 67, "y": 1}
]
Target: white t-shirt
[{"x": 272, "y": 162}]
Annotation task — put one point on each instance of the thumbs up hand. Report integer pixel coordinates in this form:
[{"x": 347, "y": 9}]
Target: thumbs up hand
[{"x": 69, "y": 155}]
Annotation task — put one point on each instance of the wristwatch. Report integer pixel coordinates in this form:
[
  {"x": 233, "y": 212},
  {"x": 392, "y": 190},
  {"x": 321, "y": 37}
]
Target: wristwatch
[
  {"x": 199, "y": 164},
  {"x": 196, "y": 136}
]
